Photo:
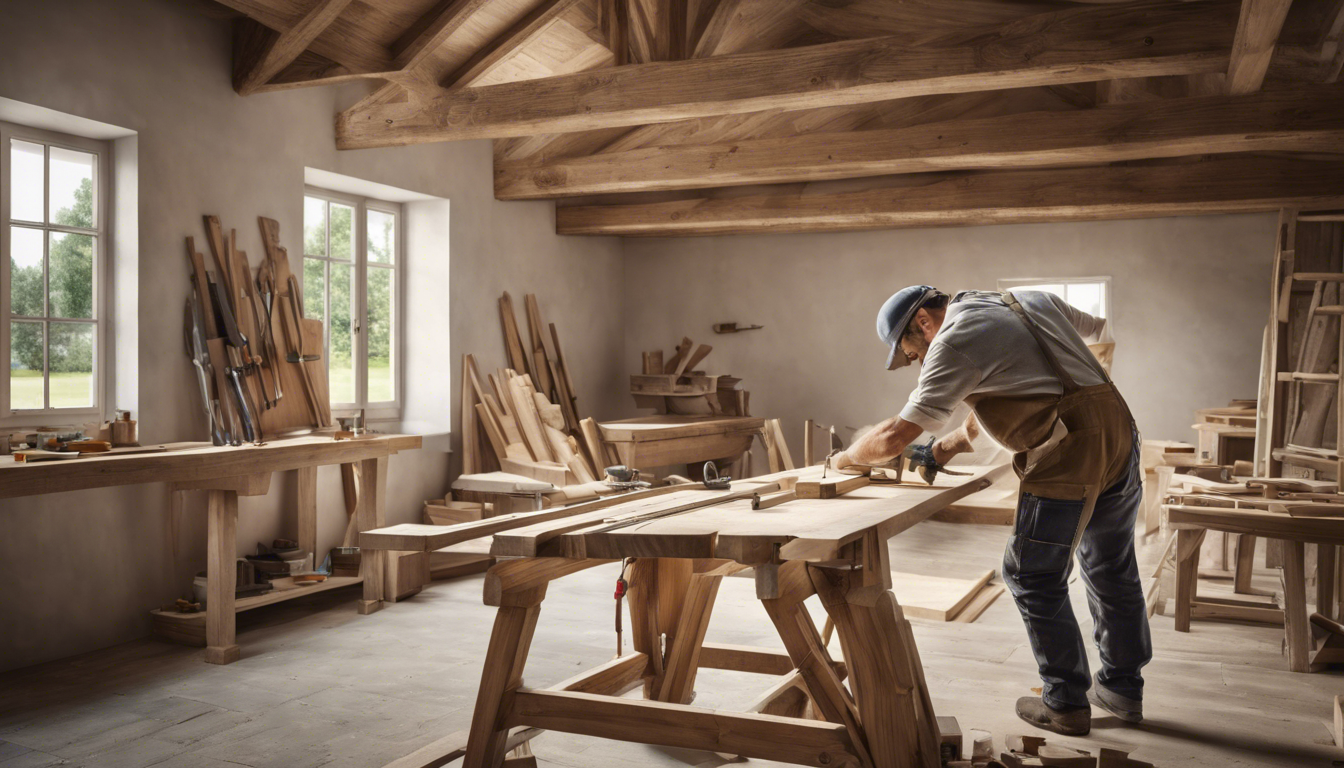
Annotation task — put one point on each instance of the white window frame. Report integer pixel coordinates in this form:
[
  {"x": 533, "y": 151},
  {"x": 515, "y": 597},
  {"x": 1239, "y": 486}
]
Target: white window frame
[
  {"x": 103, "y": 364},
  {"x": 1008, "y": 284},
  {"x": 382, "y": 411}
]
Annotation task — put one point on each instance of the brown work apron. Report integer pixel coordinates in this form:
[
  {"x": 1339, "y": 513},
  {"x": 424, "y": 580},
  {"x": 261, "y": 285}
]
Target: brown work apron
[{"x": 1091, "y": 457}]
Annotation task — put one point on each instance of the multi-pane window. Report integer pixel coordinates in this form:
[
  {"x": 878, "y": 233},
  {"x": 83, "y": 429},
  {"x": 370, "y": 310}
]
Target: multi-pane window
[
  {"x": 52, "y": 235},
  {"x": 352, "y": 250},
  {"x": 1089, "y": 294}
]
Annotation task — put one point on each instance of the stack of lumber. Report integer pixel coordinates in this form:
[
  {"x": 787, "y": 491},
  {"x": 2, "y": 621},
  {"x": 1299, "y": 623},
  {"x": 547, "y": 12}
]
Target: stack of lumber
[
  {"x": 524, "y": 418},
  {"x": 526, "y": 434},
  {"x": 675, "y": 386}
]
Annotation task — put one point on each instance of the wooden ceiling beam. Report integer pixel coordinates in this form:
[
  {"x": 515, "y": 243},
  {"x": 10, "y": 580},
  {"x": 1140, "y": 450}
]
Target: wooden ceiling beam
[
  {"x": 527, "y": 29},
  {"x": 431, "y": 30},
  {"x": 1080, "y": 45},
  {"x": 268, "y": 52},
  {"x": 1310, "y": 120},
  {"x": 1257, "y": 32},
  {"x": 343, "y": 42},
  {"x": 718, "y": 15},
  {"x": 614, "y": 19},
  {"x": 1227, "y": 184}
]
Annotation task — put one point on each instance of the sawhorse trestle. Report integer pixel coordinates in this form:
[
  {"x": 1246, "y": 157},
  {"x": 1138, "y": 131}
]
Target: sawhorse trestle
[{"x": 809, "y": 717}]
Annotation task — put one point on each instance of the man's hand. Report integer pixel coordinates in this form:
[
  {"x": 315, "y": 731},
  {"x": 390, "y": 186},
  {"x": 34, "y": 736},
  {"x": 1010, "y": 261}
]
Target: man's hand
[
  {"x": 841, "y": 460},
  {"x": 958, "y": 441},
  {"x": 884, "y": 443}
]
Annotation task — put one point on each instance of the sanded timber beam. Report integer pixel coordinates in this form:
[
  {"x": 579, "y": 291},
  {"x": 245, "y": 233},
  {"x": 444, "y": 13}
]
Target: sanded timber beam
[
  {"x": 527, "y": 29},
  {"x": 1306, "y": 120},
  {"x": 1226, "y": 184},
  {"x": 342, "y": 41},
  {"x": 1257, "y": 32},
  {"x": 256, "y": 64},
  {"x": 431, "y": 30},
  {"x": 1070, "y": 46}
]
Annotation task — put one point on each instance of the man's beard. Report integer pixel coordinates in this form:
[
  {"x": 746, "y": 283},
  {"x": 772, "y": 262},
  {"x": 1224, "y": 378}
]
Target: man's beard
[{"x": 919, "y": 346}]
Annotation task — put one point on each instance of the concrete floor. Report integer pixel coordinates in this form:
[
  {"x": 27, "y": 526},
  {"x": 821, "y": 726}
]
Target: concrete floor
[{"x": 319, "y": 685}]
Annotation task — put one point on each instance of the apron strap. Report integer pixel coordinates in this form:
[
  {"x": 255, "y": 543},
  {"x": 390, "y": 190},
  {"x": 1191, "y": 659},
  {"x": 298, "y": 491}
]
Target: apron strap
[{"x": 1065, "y": 380}]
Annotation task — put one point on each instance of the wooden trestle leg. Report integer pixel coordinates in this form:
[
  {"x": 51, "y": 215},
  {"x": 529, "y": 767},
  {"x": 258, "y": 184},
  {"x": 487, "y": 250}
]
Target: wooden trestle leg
[
  {"x": 884, "y": 667},
  {"x": 809, "y": 655},
  {"x": 500, "y": 677}
]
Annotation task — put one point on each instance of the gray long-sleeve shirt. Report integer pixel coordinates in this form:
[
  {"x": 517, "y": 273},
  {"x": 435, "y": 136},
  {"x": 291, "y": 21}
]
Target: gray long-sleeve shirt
[{"x": 983, "y": 347}]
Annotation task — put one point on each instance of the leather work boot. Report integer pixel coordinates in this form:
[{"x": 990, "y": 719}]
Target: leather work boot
[
  {"x": 1074, "y": 722},
  {"x": 1126, "y": 709}
]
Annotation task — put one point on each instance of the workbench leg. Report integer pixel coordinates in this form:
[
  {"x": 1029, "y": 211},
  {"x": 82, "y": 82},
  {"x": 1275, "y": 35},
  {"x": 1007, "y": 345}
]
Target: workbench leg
[
  {"x": 1245, "y": 568},
  {"x": 502, "y": 674},
  {"x": 809, "y": 655},
  {"x": 1295, "y": 625},
  {"x": 221, "y": 577},
  {"x": 1325, "y": 580},
  {"x": 305, "y": 506},
  {"x": 657, "y": 587},
  {"x": 886, "y": 674},
  {"x": 683, "y": 658},
  {"x": 372, "y": 502},
  {"x": 350, "y": 489},
  {"x": 1188, "y": 542}
]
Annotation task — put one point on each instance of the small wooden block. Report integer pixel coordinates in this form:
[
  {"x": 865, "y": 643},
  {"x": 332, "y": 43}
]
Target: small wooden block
[
  {"x": 365, "y": 607},
  {"x": 829, "y": 487}
]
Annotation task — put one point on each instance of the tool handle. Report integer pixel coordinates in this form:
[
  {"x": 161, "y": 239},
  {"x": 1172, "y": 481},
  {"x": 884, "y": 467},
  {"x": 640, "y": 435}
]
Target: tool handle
[{"x": 245, "y": 413}]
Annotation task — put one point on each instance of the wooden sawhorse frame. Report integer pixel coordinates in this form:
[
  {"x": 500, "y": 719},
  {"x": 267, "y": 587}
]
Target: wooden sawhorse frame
[{"x": 808, "y": 717}]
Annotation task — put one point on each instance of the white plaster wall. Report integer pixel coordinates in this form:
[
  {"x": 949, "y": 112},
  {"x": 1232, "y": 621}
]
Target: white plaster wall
[
  {"x": 81, "y": 570},
  {"x": 1190, "y": 299}
]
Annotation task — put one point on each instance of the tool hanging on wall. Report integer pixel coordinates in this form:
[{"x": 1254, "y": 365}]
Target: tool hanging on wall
[
  {"x": 735, "y": 328},
  {"x": 201, "y": 328}
]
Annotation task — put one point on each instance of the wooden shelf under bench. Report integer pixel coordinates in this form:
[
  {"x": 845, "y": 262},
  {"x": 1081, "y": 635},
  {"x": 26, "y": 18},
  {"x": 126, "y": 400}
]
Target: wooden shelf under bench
[{"x": 189, "y": 628}]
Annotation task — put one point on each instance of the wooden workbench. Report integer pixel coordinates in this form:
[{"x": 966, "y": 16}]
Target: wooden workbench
[
  {"x": 660, "y": 441},
  {"x": 682, "y": 542},
  {"x": 227, "y": 473},
  {"x": 1192, "y": 523}
]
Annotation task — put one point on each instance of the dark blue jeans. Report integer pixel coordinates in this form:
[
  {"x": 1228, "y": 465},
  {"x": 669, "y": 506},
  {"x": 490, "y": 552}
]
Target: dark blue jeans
[{"x": 1036, "y": 568}]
